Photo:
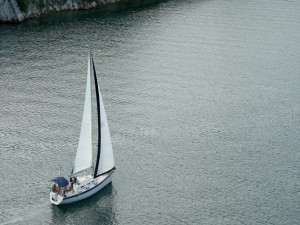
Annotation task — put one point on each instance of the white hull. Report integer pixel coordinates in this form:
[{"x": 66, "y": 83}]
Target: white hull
[{"x": 82, "y": 190}]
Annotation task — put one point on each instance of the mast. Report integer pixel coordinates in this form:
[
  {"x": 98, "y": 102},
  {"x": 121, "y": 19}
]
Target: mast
[{"x": 98, "y": 119}]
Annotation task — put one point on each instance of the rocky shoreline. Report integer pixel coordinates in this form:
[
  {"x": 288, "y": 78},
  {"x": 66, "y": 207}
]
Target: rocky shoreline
[{"x": 15, "y": 11}]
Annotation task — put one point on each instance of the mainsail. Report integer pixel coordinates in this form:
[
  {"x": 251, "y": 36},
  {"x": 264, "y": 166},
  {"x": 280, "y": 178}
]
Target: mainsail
[
  {"x": 105, "y": 157},
  {"x": 84, "y": 154}
]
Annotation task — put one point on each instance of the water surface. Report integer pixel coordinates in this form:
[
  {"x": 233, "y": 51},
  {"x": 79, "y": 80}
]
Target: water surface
[{"x": 202, "y": 99}]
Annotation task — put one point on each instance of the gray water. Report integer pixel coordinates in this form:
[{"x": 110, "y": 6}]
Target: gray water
[{"x": 203, "y": 103}]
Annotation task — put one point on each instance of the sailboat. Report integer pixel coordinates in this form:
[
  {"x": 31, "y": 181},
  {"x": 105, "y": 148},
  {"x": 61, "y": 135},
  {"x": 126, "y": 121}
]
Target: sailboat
[{"x": 88, "y": 175}]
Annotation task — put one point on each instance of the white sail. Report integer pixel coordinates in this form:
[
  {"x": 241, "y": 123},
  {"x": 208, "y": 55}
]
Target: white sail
[
  {"x": 106, "y": 161},
  {"x": 84, "y": 154}
]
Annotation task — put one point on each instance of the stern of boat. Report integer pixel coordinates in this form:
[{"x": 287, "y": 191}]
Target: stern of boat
[
  {"x": 55, "y": 198},
  {"x": 58, "y": 189}
]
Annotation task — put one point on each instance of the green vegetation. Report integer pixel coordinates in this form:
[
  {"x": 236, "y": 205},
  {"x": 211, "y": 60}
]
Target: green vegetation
[
  {"x": 41, "y": 5},
  {"x": 22, "y": 4}
]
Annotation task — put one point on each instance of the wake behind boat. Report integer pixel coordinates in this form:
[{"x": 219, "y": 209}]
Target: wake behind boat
[{"x": 88, "y": 176}]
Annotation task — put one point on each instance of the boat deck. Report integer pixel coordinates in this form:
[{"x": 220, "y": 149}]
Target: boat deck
[{"x": 83, "y": 179}]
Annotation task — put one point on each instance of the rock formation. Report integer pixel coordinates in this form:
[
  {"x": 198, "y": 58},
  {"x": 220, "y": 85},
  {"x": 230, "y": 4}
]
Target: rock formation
[{"x": 18, "y": 10}]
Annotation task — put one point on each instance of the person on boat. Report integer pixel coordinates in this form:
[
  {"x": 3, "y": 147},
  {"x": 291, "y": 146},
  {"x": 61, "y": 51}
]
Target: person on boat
[
  {"x": 71, "y": 183},
  {"x": 74, "y": 180},
  {"x": 54, "y": 188},
  {"x": 70, "y": 186}
]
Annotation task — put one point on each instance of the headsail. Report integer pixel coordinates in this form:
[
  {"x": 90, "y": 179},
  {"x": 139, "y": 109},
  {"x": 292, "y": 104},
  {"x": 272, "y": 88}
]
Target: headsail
[
  {"x": 84, "y": 154},
  {"x": 105, "y": 157}
]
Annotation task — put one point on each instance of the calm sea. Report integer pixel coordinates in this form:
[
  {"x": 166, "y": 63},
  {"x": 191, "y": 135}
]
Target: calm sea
[{"x": 203, "y": 103}]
